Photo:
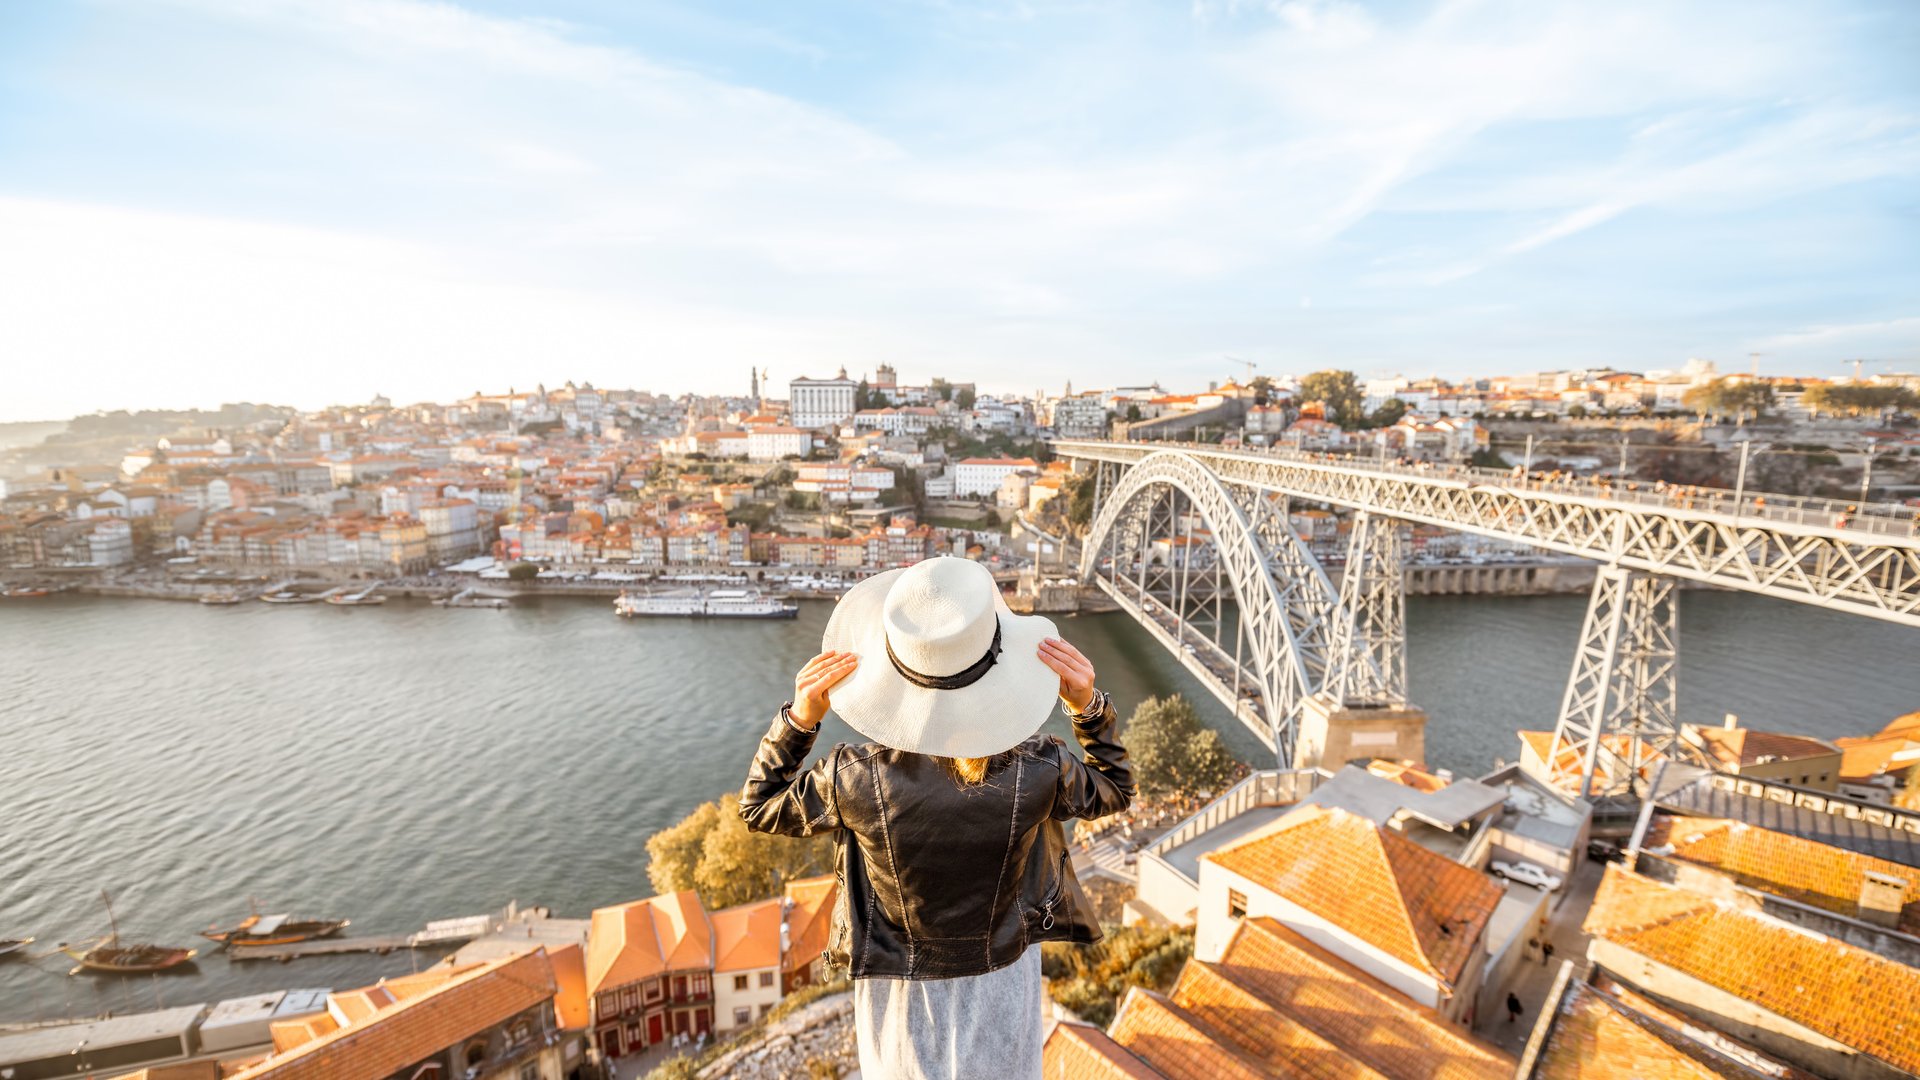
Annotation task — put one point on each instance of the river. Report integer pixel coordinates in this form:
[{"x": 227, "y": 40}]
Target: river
[{"x": 405, "y": 762}]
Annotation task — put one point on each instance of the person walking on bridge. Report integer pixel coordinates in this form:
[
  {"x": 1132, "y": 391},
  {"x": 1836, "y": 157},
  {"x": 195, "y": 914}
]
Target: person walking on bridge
[{"x": 951, "y": 859}]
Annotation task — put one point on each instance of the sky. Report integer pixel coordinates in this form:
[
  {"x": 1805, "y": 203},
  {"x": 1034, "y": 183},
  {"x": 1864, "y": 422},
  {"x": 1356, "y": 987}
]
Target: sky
[{"x": 309, "y": 202}]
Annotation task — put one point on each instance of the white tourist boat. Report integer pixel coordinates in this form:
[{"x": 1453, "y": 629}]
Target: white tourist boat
[{"x": 710, "y": 603}]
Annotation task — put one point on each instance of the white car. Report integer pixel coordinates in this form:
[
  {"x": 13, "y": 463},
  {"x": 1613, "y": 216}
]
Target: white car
[{"x": 1528, "y": 873}]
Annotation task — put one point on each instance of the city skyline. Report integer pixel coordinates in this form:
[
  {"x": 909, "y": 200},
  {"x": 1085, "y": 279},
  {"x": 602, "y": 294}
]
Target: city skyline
[{"x": 307, "y": 203}]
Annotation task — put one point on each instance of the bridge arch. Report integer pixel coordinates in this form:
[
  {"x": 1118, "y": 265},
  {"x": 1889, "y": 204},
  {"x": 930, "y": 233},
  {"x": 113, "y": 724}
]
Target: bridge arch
[{"x": 1285, "y": 606}]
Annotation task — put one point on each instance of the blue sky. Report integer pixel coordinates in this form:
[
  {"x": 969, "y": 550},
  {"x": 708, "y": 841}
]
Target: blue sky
[{"x": 308, "y": 201}]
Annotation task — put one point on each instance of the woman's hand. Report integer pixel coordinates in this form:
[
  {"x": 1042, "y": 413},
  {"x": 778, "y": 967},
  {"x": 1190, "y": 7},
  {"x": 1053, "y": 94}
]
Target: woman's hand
[
  {"x": 810, "y": 687},
  {"x": 1074, "y": 669}
]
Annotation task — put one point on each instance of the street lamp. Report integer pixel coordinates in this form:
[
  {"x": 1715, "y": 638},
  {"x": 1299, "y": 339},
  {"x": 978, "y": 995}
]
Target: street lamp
[{"x": 1866, "y": 474}]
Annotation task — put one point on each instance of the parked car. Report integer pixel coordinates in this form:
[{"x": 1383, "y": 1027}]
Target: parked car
[
  {"x": 1603, "y": 850},
  {"x": 1526, "y": 873}
]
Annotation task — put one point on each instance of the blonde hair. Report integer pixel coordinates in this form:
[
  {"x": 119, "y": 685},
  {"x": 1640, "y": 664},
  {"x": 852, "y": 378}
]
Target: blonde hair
[{"x": 970, "y": 771}]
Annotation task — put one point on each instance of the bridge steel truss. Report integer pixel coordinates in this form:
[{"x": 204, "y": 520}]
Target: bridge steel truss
[
  {"x": 1218, "y": 575},
  {"x": 1876, "y": 574},
  {"x": 1294, "y": 636},
  {"x": 1620, "y": 713}
]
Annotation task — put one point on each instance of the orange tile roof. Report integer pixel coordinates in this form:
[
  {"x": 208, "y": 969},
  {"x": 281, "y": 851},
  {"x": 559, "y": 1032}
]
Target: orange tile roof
[
  {"x": 1866, "y": 758},
  {"x": 1076, "y": 1051},
  {"x": 183, "y": 1070},
  {"x": 1372, "y": 883},
  {"x": 638, "y": 940},
  {"x": 747, "y": 936},
  {"x": 288, "y": 1034},
  {"x": 1174, "y": 1044},
  {"x": 1603, "y": 1030},
  {"x": 1743, "y": 746},
  {"x": 1845, "y": 993},
  {"x": 1594, "y": 1039},
  {"x": 1364, "y": 1017},
  {"x": 1790, "y": 866},
  {"x": 570, "y": 977},
  {"x": 417, "y": 1027},
  {"x": 1402, "y": 772},
  {"x": 1265, "y": 1034},
  {"x": 810, "y": 919}
]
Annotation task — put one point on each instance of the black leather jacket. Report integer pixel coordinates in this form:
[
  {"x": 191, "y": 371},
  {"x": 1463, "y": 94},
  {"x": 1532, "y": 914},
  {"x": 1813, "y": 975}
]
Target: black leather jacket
[{"x": 943, "y": 880}]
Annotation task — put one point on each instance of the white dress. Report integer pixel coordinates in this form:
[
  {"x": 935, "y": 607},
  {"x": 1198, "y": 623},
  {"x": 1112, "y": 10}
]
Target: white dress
[{"x": 943, "y": 1029}]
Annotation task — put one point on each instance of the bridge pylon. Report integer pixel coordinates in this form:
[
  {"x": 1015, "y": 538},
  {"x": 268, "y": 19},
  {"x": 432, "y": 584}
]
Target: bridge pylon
[
  {"x": 1619, "y": 715},
  {"x": 1361, "y": 710}
]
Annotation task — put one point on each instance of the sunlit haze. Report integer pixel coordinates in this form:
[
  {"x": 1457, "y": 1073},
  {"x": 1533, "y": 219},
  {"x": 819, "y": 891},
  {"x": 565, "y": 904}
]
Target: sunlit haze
[{"x": 311, "y": 201}]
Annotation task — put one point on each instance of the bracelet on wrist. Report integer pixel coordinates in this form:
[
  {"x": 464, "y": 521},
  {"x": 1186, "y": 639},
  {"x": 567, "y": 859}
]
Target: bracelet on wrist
[
  {"x": 1095, "y": 706},
  {"x": 786, "y": 713}
]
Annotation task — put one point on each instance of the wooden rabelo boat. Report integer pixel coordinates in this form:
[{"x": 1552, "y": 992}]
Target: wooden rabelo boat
[
  {"x": 116, "y": 957},
  {"x": 257, "y": 929},
  {"x": 12, "y": 947}
]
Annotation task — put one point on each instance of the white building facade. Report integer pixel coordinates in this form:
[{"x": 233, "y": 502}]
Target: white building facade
[{"x": 821, "y": 403}]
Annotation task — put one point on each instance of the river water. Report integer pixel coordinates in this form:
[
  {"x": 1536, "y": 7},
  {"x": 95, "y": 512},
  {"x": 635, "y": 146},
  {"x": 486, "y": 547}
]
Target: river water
[{"x": 402, "y": 763}]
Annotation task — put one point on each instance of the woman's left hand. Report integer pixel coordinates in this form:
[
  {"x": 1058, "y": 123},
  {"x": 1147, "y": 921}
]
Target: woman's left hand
[{"x": 1074, "y": 669}]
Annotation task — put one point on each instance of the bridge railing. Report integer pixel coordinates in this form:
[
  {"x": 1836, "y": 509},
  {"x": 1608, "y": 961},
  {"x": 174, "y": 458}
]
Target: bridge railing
[{"x": 1881, "y": 519}]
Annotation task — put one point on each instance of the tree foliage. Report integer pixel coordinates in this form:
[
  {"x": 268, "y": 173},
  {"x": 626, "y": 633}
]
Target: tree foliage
[
  {"x": 1339, "y": 393},
  {"x": 964, "y": 397},
  {"x": 1262, "y": 388},
  {"x": 1091, "y": 979},
  {"x": 1857, "y": 398},
  {"x": 1173, "y": 752},
  {"x": 522, "y": 571},
  {"x": 711, "y": 852},
  {"x": 1388, "y": 414},
  {"x": 1740, "y": 399}
]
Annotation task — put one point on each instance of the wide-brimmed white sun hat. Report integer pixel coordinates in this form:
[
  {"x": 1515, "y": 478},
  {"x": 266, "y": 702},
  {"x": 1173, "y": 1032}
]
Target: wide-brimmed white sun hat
[{"x": 946, "y": 668}]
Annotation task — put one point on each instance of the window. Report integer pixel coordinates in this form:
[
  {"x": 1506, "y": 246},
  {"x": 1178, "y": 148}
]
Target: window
[
  {"x": 742, "y": 1015},
  {"x": 654, "y": 989},
  {"x": 701, "y": 988},
  {"x": 766, "y": 1008},
  {"x": 679, "y": 986},
  {"x": 1236, "y": 904},
  {"x": 739, "y": 982},
  {"x": 530, "y": 1071},
  {"x": 766, "y": 979},
  {"x": 476, "y": 1053}
]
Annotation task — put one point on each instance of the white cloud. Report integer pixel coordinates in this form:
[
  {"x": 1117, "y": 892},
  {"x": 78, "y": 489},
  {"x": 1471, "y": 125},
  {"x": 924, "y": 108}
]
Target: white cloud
[{"x": 460, "y": 193}]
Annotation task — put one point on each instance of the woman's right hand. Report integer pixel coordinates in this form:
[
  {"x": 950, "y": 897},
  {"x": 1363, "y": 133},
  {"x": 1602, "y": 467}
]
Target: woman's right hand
[{"x": 815, "y": 681}]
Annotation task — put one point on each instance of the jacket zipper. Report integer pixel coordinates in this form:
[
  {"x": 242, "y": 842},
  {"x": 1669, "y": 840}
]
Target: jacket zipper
[{"x": 1053, "y": 893}]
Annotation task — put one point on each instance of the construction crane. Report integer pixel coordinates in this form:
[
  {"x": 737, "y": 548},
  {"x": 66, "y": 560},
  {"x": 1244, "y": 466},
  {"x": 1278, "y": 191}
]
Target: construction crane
[
  {"x": 1248, "y": 364},
  {"x": 1856, "y": 368}
]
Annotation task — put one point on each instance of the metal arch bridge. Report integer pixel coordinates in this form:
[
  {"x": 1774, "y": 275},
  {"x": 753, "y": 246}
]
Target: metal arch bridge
[{"x": 1195, "y": 542}]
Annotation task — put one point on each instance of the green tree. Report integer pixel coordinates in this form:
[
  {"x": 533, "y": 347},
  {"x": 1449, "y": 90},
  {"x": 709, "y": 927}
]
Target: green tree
[
  {"x": 941, "y": 387},
  {"x": 1262, "y": 388},
  {"x": 1338, "y": 392},
  {"x": 964, "y": 397},
  {"x": 1080, "y": 500},
  {"x": 1741, "y": 399},
  {"x": 711, "y": 852},
  {"x": 1854, "y": 399},
  {"x": 737, "y": 866},
  {"x": 1133, "y": 412},
  {"x": 1576, "y": 412},
  {"x": 1388, "y": 414},
  {"x": 522, "y": 571},
  {"x": 1092, "y": 979},
  {"x": 674, "y": 852},
  {"x": 1173, "y": 752}
]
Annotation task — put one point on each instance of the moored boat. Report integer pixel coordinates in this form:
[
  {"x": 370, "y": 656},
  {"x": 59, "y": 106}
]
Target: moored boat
[
  {"x": 694, "y": 603},
  {"x": 219, "y": 598},
  {"x": 365, "y": 598},
  {"x": 275, "y": 930},
  {"x": 115, "y": 957},
  {"x": 12, "y": 947}
]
